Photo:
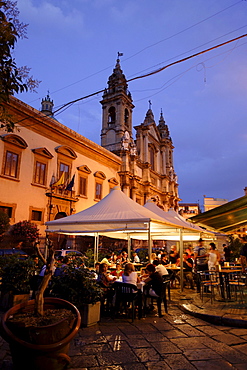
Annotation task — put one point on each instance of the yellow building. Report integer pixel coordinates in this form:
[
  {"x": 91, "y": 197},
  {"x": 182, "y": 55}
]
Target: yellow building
[
  {"x": 211, "y": 203},
  {"x": 48, "y": 171}
]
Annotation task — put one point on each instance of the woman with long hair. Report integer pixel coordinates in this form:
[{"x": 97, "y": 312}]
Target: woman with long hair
[{"x": 130, "y": 275}]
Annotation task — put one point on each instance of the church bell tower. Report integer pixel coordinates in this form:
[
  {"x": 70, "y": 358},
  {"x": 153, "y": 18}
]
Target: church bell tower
[{"x": 117, "y": 108}]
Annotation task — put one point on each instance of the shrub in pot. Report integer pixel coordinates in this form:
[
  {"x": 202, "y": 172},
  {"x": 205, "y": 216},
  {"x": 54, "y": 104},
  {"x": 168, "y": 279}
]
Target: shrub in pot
[
  {"x": 15, "y": 275},
  {"x": 39, "y": 331},
  {"x": 78, "y": 286}
]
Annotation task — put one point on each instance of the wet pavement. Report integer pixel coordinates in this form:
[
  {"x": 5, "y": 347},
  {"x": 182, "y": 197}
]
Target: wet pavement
[{"x": 180, "y": 340}]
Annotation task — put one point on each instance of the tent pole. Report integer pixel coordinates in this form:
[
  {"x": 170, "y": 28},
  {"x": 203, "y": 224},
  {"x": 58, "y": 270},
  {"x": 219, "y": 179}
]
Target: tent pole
[
  {"x": 129, "y": 246},
  {"x": 181, "y": 252},
  {"x": 96, "y": 247},
  {"x": 149, "y": 243}
]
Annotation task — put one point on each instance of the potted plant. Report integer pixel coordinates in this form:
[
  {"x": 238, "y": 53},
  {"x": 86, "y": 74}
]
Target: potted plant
[
  {"x": 39, "y": 331},
  {"x": 78, "y": 286},
  {"x": 15, "y": 280}
]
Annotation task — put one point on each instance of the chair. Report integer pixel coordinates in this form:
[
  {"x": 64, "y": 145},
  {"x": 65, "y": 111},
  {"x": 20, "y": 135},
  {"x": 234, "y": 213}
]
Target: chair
[
  {"x": 125, "y": 297},
  {"x": 237, "y": 282},
  {"x": 160, "y": 299},
  {"x": 209, "y": 280}
]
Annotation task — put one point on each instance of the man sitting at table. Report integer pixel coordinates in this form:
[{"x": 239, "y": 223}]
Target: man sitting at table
[
  {"x": 187, "y": 270},
  {"x": 136, "y": 258},
  {"x": 160, "y": 269},
  {"x": 153, "y": 281}
]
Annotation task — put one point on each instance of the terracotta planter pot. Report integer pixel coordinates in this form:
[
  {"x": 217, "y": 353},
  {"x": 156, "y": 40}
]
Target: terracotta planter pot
[{"x": 50, "y": 344}]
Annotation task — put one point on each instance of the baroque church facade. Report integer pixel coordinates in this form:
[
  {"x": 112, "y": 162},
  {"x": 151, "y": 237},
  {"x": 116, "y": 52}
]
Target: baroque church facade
[
  {"x": 48, "y": 171},
  {"x": 147, "y": 169}
]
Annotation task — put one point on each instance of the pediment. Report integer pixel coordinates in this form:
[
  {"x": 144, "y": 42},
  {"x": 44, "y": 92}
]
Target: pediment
[
  {"x": 84, "y": 168},
  {"x": 67, "y": 151},
  {"x": 43, "y": 151},
  {"x": 100, "y": 175},
  {"x": 113, "y": 181},
  {"x": 15, "y": 140}
]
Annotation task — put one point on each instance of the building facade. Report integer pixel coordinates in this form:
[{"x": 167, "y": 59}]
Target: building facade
[
  {"x": 48, "y": 171},
  {"x": 211, "y": 203},
  {"x": 147, "y": 169}
]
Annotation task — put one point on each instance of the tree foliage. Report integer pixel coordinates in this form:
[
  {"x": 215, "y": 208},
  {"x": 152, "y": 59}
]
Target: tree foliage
[
  {"x": 13, "y": 79},
  {"x": 4, "y": 222}
]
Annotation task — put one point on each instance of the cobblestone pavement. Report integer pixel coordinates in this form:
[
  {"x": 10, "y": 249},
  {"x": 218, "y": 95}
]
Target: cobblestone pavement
[{"x": 177, "y": 341}]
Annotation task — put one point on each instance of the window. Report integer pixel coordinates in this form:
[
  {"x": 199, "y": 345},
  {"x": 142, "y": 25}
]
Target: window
[
  {"x": 40, "y": 173},
  {"x": 98, "y": 191},
  {"x": 7, "y": 210},
  {"x": 111, "y": 115},
  {"x": 11, "y": 164},
  {"x": 99, "y": 178},
  {"x": 36, "y": 215},
  {"x": 13, "y": 147},
  {"x": 64, "y": 168},
  {"x": 83, "y": 186}
]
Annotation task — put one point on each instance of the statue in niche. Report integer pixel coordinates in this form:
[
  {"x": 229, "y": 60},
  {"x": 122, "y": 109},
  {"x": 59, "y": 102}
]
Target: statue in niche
[{"x": 125, "y": 141}]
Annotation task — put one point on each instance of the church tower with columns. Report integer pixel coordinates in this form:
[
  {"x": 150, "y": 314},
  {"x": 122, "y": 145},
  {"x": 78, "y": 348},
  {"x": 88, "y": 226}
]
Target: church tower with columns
[{"x": 147, "y": 170}]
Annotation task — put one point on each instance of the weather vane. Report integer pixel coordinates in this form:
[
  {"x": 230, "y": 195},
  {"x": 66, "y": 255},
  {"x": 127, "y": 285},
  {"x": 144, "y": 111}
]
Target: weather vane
[{"x": 119, "y": 54}]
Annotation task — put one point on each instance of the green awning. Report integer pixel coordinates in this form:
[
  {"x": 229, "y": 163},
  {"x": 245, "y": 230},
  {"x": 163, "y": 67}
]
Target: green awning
[{"x": 226, "y": 218}]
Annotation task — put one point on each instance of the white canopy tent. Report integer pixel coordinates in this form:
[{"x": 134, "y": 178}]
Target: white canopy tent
[{"x": 118, "y": 216}]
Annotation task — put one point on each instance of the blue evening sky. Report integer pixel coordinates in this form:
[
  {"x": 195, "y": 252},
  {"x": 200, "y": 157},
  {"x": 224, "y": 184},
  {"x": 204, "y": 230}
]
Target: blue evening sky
[{"x": 72, "y": 48}]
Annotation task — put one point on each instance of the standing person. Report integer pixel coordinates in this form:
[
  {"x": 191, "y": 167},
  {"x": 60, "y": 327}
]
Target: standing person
[
  {"x": 173, "y": 255},
  {"x": 243, "y": 254},
  {"x": 227, "y": 252},
  {"x": 213, "y": 257},
  {"x": 130, "y": 275},
  {"x": 201, "y": 260}
]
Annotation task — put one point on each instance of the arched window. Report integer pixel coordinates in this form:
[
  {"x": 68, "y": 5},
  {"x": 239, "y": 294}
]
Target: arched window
[{"x": 112, "y": 115}]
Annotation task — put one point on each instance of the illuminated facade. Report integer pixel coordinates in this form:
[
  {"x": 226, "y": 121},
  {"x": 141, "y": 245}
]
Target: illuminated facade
[
  {"x": 48, "y": 171},
  {"x": 147, "y": 169}
]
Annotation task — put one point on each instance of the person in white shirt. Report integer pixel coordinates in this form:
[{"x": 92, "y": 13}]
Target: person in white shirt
[
  {"x": 136, "y": 258},
  {"x": 160, "y": 268},
  {"x": 130, "y": 275}
]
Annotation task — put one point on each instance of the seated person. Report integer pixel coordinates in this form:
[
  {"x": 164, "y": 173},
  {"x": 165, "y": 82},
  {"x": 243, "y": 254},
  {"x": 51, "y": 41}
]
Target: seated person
[
  {"x": 136, "y": 258},
  {"x": 118, "y": 271},
  {"x": 130, "y": 275},
  {"x": 153, "y": 281},
  {"x": 123, "y": 258},
  {"x": 103, "y": 278},
  {"x": 153, "y": 257},
  {"x": 188, "y": 266},
  {"x": 164, "y": 259},
  {"x": 160, "y": 269},
  {"x": 107, "y": 260}
]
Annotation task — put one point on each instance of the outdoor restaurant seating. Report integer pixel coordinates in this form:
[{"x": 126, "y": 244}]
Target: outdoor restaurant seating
[
  {"x": 159, "y": 299},
  {"x": 209, "y": 281},
  {"x": 126, "y": 297},
  {"x": 237, "y": 283}
]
